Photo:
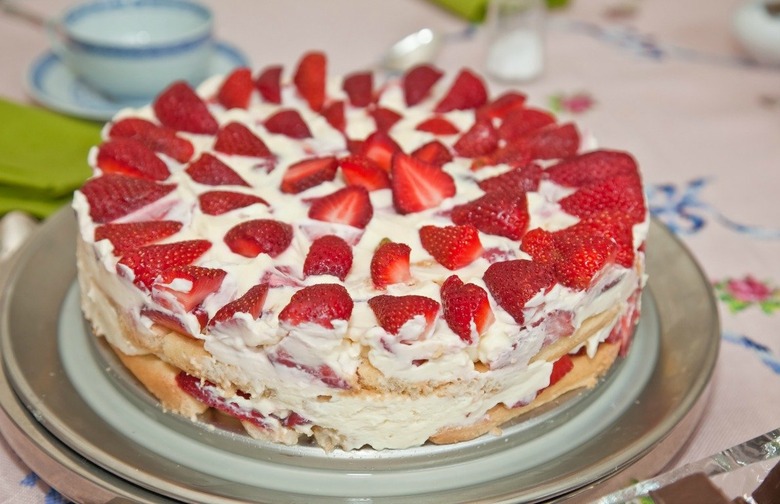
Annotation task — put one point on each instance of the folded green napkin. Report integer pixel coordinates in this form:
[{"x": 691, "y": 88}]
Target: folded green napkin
[
  {"x": 474, "y": 10},
  {"x": 43, "y": 158}
]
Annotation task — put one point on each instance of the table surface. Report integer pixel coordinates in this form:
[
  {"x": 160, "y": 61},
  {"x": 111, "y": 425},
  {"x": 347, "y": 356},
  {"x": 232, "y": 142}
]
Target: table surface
[{"x": 664, "y": 80}]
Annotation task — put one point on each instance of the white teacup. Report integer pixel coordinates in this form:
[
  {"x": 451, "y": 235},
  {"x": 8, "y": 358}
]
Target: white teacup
[{"x": 132, "y": 49}]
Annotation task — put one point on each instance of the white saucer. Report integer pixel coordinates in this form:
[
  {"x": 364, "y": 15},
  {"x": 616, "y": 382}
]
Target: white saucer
[{"x": 53, "y": 85}]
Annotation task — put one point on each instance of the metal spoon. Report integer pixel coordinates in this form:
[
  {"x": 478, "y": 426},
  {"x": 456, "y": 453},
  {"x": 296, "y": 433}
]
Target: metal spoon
[{"x": 422, "y": 46}]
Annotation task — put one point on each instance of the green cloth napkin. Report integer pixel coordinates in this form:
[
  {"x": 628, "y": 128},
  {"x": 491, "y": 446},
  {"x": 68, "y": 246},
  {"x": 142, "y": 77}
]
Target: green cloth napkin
[
  {"x": 474, "y": 10},
  {"x": 43, "y": 158}
]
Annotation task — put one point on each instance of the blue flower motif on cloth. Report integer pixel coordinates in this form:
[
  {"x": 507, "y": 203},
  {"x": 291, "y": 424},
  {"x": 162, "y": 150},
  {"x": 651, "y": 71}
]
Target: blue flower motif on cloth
[
  {"x": 763, "y": 352},
  {"x": 52, "y": 496},
  {"x": 30, "y": 480}
]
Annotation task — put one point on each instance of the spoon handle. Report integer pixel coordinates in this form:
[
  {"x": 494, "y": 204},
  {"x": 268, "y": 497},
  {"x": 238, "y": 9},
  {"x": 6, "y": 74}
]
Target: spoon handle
[{"x": 15, "y": 9}]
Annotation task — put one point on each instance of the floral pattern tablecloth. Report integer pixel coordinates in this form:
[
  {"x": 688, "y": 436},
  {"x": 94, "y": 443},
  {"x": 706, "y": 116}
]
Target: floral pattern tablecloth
[{"x": 662, "y": 79}]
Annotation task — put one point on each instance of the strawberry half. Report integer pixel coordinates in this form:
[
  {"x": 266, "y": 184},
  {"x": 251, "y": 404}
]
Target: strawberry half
[
  {"x": 334, "y": 114},
  {"x": 309, "y": 79},
  {"x": 437, "y": 125},
  {"x": 481, "y": 139},
  {"x": 522, "y": 179},
  {"x": 434, "y": 152},
  {"x": 466, "y": 308},
  {"x": 236, "y": 139},
  {"x": 288, "y": 122},
  {"x": 521, "y": 121},
  {"x": 308, "y": 173},
  {"x": 502, "y": 213},
  {"x": 418, "y": 81},
  {"x": 452, "y": 246},
  {"x": 616, "y": 226},
  {"x": 359, "y": 88},
  {"x": 417, "y": 185},
  {"x": 125, "y": 156},
  {"x": 390, "y": 264},
  {"x": 392, "y": 312},
  {"x": 259, "y": 236},
  {"x": 251, "y": 302},
  {"x": 319, "y": 304},
  {"x": 592, "y": 167},
  {"x": 236, "y": 89},
  {"x": 127, "y": 236},
  {"x": 268, "y": 84},
  {"x": 323, "y": 372},
  {"x": 328, "y": 255},
  {"x": 173, "y": 322},
  {"x": 362, "y": 171},
  {"x": 561, "y": 368},
  {"x": 513, "y": 283},
  {"x": 501, "y": 106},
  {"x": 209, "y": 170},
  {"x": 622, "y": 193},
  {"x": 219, "y": 202},
  {"x": 149, "y": 261},
  {"x": 553, "y": 142},
  {"x": 158, "y": 138},
  {"x": 198, "y": 283},
  {"x": 349, "y": 205},
  {"x": 113, "y": 196},
  {"x": 467, "y": 92},
  {"x": 180, "y": 108},
  {"x": 380, "y": 148},
  {"x": 384, "y": 118},
  {"x": 515, "y": 154}
]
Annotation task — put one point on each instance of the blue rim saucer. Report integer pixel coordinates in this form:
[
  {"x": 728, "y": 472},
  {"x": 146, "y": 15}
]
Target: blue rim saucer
[{"x": 53, "y": 85}]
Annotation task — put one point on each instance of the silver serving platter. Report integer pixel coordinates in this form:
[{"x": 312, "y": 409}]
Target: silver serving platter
[{"x": 76, "y": 417}]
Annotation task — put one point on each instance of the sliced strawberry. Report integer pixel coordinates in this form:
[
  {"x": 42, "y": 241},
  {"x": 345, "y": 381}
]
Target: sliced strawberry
[
  {"x": 236, "y": 139},
  {"x": 158, "y": 138},
  {"x": 180, "y": 108},
  {"x": 521, "y": 121},
  {"x": 349, "y": 205},
  {"x": 467, "y": 92},
  {"x": 437, "y": 125},
  {"x": 308, "y": 173},
  {"x": 260, "y": 236},
  {"x": 452, "y": 246},
  {"x": 522, "y": 179},
  {"x": 466, "y": 308},
  {"x": 209, "y": 170},
  {"x": 502, "y": 213},
  {"x": 622, "y": 193},
  {"x": 189, "y": 285},
  {"x": 540, "y": 244},
  {"x": 251, "y": 302},
  {"x": 219, "y": 202},
  {"x": 592, "y": 167},
  {"x": 380, "y": 147},
  {"x": 434, "y": 152},
  {"x": 553, "y": 142},
  {"x": 113, "y": 196},
  {"x": 236, "y": 89},
  {"x": 328, "y": 255},
  {"x": 131, "y": 235},
  {"x": 392, "y": 312},
  {"x": 309, "y": 79},
  {"x": 125, "y": 156},
  {"x": 323, "y": 372},
  {"x": 334, "y": 114},
  {"x": 479, "y": 140},
  {"x": 500, "y": 107},
  {"x": 390, "y": 264},
  {"x": 148, "y": 261},
  {"x": 170, "y": 321},
  {"x": 616, "y": 226},
  {"x": 418, "y": 81},
  {"x": 561, "y": 368},
  {"x": 359, "y": 88},
  {"x": 362, "y": 171},
  {"x": 268, "y": 83},
  {"x": 583, "y": 255},
  {"x": 513, "y": 283},
  {"x": 384, "y": 118},
  {"x": 319, "y": 304},
  {"x": 417, "y": 185},
  {"x": 288, "y": 122},
  {"x": 515, "y": 154},
  {"x": 207, "y": 393}
]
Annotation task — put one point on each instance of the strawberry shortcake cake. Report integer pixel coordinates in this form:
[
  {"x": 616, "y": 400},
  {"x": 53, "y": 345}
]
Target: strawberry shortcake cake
[{"x": 358, "y": 263}]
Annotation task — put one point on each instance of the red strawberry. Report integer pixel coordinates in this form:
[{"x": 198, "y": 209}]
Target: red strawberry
[
  {"x": 260, "y": 236},
  {"x": 622, "y": 193},
  {"x": 361, "y": 171},
  {"x": 514, "y": 154},
  {"x": 553, "y": 142},
  {"x": 219, "y": 202},
  {"x": 319, "y": 304},
  {"x": 467, "y": 92},
  {"x": 308, "y": 173},
  {"x": 583, "y": 255},
  {"x": 268, "y": 83},
  {"x": 250, "y": 302},
  {"x": 502, "y": 213},
  {"x": 513, "y": 283},
  {"x": 208, "y": 394},
  {"x": 334, "y": 115},
  {"x": 521, "y": 121},
  {"x": 309, "y": 79},
  {"x": 522, "y": 179},
  {"x": 385, "y": 118},
  {"x": 380, "y": 147},
  {"x": 167, "y": 320},
  {"x": 328, "y": 255},
  {"x": 359, "y": 88},
  {"x": 616, "y": 226},
  {"x": 113, "y": 196},
  {"x": 236, "y": 139},
  {"x": 418, "y": 81},
  {"x": 479, "y": 140},
  {"x": 540, "y": 244},
  {"x": 349, "y": 205},
  {"x": 158, "y": 138},
  {"x": 392, "y": 312},
  {"x": 417, "y": 185},
  {"x": 434, "y": 152},
  {"x": 209, "y": 170},
  {"x": 501, "y": 106},
  {"x": 452, "y": 246},
  {"x": 323, "y": 372},
  {"x": 149, "y": 261},
  {"x": 131, "y": 235},
  {"x": 437, "y": 125},
  {"x": 561, "y": 368},
  {"x": 178, "y": 107},
  {"x": 592, "y": 167},
  {"x": 466, "y": 308},
  {"x": 390, "y": 264},
  {"x": 125, "y": 156},
  {"x": 199, "y": 283},
  {"x": 236, "y": 89},
  {"x": 288, "y": 122}
]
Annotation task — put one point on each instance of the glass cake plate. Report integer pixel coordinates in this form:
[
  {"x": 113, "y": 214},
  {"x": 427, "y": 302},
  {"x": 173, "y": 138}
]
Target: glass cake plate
[{"x": 85, "y": 425}]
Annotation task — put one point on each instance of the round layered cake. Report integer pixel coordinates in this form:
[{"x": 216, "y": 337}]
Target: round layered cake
[{"x": 356, "y": 262}]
